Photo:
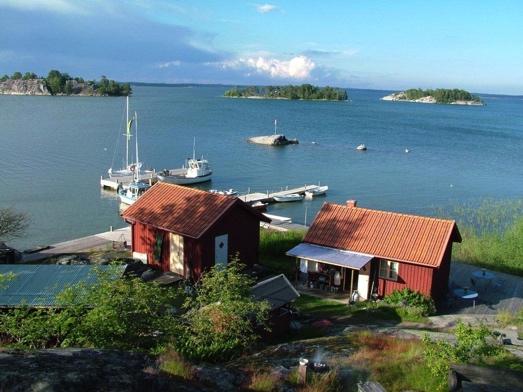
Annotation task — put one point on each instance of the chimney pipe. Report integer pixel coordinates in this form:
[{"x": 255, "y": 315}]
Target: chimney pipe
[{"x": 351, "y": 203}]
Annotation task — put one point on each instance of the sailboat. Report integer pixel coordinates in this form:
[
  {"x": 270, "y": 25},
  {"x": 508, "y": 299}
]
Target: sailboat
[
  {"x": 129, "y": 194},
  {"x": 129, "y": 168},
  {"x": 194, "y": 171}
]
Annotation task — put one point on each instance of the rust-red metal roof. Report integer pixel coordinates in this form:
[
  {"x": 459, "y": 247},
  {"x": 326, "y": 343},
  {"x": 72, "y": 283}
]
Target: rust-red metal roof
[
  {"x": 182, "y": 210},
  {"x": 389, "y": 235}
]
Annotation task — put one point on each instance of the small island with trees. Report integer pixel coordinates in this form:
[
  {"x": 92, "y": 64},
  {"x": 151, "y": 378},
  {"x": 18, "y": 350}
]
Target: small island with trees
[
  {"x": 302, "y": 92},
  {"x": 58, "y": 83},
  {"x": 440, "y": 95}
]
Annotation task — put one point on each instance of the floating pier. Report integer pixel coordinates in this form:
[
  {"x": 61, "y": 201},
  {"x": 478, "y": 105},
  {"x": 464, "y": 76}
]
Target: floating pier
[
  {"x": 268, "y": 197},
  {"x": 112, "y": 183}
]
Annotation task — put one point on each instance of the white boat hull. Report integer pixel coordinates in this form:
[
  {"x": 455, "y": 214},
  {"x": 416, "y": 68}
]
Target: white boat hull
[
  {"x": 126, "y": 200},
  {"x": 288, "y": 198},
  {"x": 182, "y": 180}
]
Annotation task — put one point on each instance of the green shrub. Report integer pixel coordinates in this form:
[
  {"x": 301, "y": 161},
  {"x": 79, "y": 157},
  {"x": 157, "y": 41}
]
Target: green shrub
[
  {"x": 471, "y": 345},
  {"x": 122, "y": 313},
  {"x": 223, "y": 318},
  {"x": 411, "y": 303}
]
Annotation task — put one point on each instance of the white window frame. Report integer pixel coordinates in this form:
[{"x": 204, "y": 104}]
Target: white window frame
[{"x": 389, "y": 269}]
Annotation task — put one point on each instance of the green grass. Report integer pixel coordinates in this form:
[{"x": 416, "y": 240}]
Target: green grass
[
  {"x": 173, "y": 364},
  {"x": 359, "y": 313},
  {"x": 397, "y": 364},
  {"x": 492, "y": 235},
  {"x": 274, "y": 244},
  {"x": 263, "y": 382}
]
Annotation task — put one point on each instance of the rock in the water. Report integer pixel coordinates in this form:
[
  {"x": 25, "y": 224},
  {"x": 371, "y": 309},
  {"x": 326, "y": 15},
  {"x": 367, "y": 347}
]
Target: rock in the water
[{"x": 273, "y": 140}]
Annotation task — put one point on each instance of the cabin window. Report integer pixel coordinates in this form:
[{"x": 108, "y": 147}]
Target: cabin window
[{"x": 389, "y": 269}]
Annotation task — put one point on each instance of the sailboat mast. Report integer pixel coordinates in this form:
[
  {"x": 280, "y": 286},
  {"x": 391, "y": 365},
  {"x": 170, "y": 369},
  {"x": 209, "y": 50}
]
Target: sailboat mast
[
  {"x": 194, "y": 148},
  {"x": 127, "y": 133},
  {"x": 137, "y": 166},
  {"x": 275, "y": 126}
]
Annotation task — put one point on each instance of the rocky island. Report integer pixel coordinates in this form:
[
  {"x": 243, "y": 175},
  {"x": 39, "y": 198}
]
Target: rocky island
[
  {"x": 57, "y": 83},
  {"x": 440, "y": 95},
  {"x": 302, "y": 92}
]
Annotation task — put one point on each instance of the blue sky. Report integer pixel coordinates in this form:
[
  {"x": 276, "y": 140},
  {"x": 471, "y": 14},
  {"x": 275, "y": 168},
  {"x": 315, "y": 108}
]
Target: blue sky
[{"x": 476, "y": 45}]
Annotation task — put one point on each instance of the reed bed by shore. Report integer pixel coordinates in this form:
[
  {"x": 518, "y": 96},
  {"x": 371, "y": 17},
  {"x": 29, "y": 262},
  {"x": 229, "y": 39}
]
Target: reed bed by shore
[{"x": 492, "y": 234}]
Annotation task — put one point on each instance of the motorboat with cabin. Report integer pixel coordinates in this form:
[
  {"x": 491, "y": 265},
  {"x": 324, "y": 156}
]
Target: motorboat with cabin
[{"x": 194, "y": 171}]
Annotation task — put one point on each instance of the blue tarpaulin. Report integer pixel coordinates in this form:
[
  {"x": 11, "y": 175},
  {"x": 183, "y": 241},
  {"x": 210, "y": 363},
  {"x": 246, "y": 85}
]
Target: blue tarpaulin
[{"x": 323, "y": 254}]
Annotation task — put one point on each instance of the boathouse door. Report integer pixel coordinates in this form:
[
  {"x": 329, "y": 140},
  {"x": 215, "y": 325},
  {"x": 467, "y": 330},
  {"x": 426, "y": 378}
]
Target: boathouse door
[
  {"x": 176, "y": 254},
  {"x": 221, "y": 251}
]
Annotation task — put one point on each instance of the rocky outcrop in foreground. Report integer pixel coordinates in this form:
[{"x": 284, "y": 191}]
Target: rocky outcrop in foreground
[{"x": 83, "y": 370}]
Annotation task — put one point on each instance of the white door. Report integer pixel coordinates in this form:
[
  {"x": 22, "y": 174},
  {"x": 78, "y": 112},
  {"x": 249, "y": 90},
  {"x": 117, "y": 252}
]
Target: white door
[
  {"x": 363, "y": 281},
  {"x": 176, "y": 253},
  {"x": 221, "y": 253}
]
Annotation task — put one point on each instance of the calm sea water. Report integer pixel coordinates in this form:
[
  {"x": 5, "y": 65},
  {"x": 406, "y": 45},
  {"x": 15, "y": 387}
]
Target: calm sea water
[{"x": 54, "y": 149}]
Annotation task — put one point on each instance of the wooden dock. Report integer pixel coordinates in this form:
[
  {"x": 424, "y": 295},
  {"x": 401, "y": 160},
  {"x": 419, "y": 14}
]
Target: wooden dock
[
  {"x": 112, "y": 183},
  {"x": 268, "y": 197}
]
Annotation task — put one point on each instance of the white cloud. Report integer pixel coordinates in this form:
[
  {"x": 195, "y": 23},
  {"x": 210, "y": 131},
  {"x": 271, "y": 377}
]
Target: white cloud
[
  {"x": 298, "y": 67},
  {"x": 266, "y": 8},
  {"x": 167, "y": 64},
  {"x": 60, "y": 6}
]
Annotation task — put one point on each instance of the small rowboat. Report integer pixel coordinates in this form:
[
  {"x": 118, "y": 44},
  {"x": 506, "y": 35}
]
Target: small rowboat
[
  {"x": 318, "y": 191},
  {"x": 288, "y": 198},
  {"x": 361, "y": 147}
]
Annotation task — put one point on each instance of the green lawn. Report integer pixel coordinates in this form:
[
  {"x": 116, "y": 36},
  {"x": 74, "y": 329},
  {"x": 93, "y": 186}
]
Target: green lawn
[{"x": 359, "y": 313}]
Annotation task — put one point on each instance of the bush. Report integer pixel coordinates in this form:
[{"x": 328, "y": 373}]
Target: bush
[
  {"x": 120, "y": 313},
  {"x": 411, "y": 303},
  {"x": 471, "y": 345},
  {"x": 223, "y": 318}
]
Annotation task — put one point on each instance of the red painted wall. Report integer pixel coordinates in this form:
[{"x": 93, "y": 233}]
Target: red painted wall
[
  {"x": 144, "y": 240},
  {"x": 243, "y": 230},
  {"x": 440, "y": 280},
  {"x": 415, "y": 277}
]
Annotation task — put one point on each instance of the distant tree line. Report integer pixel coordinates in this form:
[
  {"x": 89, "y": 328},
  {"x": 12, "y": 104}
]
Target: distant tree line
[
  {"x": 441, "y": 95},
  {"x": 304, "y": 91},
  {"x": 62, "y": 83}
]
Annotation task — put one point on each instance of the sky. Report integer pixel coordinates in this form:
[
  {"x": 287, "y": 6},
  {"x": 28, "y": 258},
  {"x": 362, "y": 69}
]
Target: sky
[{"x": 392, "y": 45}]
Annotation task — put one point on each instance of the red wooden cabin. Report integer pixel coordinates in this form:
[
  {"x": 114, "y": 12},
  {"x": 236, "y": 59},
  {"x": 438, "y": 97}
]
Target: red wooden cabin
[
  {"x": 376, "y": 252},
  {"x": 186, "y": 230}
]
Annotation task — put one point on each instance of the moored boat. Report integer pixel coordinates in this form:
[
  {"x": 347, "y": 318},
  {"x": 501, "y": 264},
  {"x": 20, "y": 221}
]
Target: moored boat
[
  {"x": 195, "y": 171},
  {"x": 318, "y": 191},
  {"x": 288, "y": 198},
  {"x": 129, "y": 194},
  {"x": 128, "y": 168},
  {"x": 361, "y": 147}
]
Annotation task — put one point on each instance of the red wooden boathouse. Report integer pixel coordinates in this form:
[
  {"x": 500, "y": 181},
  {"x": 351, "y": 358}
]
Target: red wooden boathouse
[
  {"x": 186, "y": 230},
  {"x": 376, "y": 252}
]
